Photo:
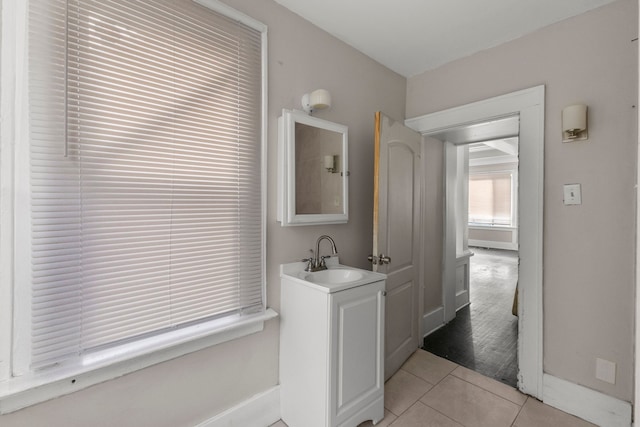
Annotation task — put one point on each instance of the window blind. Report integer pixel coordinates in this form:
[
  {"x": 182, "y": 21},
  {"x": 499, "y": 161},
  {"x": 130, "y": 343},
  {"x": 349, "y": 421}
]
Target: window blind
[
  {"x": 145, "y": 179},
  {"x": 490, "y": 198}
]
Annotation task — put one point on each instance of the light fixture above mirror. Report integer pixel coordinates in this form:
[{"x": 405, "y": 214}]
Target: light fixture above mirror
[
  {"x": 330, "y": 163},
  {"x": 319, "y": 99}
]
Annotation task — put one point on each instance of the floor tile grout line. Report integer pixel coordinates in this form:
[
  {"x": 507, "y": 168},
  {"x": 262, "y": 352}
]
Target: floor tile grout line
[
  {"x": 412, "y": 374},
  {"x": 425, "y": 393},
  {"x": 441, "y": 413},
  {"x": 481, "y": 388},
  {"x": 491, "y": 392},
  {"x": 421, "y": 396},
  {"x": 519, "y": 412},
  {"x": 420, "y": 378},
  {"x": 441, "y": 379}
]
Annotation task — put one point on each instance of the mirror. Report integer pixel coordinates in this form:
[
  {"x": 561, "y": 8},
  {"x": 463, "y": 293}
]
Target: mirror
[{"x": 312, "y": 170}]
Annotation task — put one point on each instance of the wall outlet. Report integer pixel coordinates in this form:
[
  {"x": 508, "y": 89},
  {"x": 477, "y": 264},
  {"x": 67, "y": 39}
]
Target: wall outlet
[{"x": 606, "y": 371}]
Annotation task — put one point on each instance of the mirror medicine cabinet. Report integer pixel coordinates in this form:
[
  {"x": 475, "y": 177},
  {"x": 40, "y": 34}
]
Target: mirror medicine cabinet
[{"x": 312, "y": 170}]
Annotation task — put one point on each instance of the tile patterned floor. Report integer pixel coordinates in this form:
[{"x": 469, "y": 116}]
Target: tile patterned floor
[{"x": 429, "y": 391}]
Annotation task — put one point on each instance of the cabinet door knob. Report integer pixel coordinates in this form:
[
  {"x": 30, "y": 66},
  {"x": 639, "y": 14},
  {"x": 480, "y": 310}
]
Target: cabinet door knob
[{"x": 384, "y": 259}]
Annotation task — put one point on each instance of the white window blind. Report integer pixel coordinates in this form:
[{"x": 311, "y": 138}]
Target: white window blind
[
  {"x": 490, "y": 199},
  {"x": 145, "y": 174}
]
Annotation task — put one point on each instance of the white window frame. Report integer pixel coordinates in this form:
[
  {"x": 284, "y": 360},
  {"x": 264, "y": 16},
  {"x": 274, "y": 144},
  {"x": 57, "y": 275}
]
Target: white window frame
[{"x": 18, "y": 391}]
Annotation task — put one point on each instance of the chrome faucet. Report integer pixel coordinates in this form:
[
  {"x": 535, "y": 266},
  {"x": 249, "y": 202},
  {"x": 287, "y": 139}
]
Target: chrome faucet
[{"x": 317, "y": 262}]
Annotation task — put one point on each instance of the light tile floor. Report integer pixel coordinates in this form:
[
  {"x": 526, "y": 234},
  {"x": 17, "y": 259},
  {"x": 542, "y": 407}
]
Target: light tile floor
[{"x": 429, "y": 391}]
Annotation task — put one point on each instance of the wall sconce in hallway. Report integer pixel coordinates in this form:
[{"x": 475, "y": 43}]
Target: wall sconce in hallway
[
  {"x": 574, "y": 123},
  {"x": 317, "y": 100}
]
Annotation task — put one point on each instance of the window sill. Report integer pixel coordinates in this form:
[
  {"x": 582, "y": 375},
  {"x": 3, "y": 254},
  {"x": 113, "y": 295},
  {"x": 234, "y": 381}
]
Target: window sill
[
  {"x": 491, "y": 227},
  {"x": 20, "y": 392}
]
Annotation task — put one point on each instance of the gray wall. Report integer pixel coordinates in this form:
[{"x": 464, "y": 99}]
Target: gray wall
[
  {"x": 588, "y": 249},
  {"x": 188, "y": 390}
]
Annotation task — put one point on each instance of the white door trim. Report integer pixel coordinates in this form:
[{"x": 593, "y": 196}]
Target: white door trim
[
  {"x": 449, "y": 248},
  {"x": 529, "y": 105},
  {"x": 636, "y": 406}
]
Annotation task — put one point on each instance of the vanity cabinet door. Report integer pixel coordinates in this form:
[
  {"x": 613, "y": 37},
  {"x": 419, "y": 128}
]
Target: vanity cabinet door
[
  {"x": 357, "y": 364},
  {"x": 331, "y": 355}
]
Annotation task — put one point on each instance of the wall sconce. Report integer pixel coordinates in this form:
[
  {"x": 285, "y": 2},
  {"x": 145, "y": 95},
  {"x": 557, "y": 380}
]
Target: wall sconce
[
  {"x": 316, "y": 100},
  {"x": 574, "y": 123},
  {"x": 330, "y": 163}
]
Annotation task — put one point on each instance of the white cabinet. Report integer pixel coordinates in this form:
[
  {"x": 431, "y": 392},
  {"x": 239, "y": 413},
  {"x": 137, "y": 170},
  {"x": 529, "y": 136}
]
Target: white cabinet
[{"x": 331, "y": 352}]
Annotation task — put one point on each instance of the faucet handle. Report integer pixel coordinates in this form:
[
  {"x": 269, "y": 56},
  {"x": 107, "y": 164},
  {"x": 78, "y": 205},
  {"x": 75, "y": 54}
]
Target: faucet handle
[
  {"x": 323, "y": 263},
  {"x": 309, "y": 262}
]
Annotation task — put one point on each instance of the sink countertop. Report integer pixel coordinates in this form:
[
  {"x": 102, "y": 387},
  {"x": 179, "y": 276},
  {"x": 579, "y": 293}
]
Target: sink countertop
[{"x": 295, "y": 271}]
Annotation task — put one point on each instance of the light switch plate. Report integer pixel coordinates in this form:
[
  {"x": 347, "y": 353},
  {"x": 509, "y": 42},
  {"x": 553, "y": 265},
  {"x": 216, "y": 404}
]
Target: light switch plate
[{"x": 572, "y": 194}]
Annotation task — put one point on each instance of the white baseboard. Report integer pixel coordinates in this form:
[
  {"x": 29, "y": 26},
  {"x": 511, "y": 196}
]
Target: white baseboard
[
  {"x": 432, "y": 321},
  {"x": 590, "y": 405},
  {"x": 260, "y": 410}
]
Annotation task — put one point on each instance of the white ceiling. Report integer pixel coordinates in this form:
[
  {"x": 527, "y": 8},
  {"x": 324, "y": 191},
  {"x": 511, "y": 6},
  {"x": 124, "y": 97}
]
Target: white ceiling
[{"x": 412, "y": 36}]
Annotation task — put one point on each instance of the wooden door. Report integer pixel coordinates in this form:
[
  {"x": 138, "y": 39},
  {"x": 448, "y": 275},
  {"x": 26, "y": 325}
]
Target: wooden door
[{"x": 397, "y": 235}]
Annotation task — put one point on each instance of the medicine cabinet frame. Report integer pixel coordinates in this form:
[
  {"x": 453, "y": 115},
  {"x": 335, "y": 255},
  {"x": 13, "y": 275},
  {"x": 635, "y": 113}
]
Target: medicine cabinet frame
[{"x": 287, "y": 214}]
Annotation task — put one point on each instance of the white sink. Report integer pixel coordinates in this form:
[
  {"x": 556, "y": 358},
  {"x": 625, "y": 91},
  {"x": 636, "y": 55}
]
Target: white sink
[{"x": 338, "y": 275}]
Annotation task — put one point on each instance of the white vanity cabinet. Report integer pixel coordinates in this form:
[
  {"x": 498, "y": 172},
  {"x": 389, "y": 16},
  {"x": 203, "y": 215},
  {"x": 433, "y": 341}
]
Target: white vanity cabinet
[{"x": 331, "y": 351}]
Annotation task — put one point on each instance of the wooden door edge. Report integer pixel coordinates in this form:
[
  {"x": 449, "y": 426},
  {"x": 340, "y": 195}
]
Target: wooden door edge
[{"x": 376, "y": 185}]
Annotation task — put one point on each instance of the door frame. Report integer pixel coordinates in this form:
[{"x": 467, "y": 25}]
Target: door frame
[{"x": 528, "y": 104}]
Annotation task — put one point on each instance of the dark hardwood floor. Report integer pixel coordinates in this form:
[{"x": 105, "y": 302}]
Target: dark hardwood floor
[{"x": 484, "y": 335}]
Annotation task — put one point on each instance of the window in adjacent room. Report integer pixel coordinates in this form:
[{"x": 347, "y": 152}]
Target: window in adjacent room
[{"x": 491, "y": 199}]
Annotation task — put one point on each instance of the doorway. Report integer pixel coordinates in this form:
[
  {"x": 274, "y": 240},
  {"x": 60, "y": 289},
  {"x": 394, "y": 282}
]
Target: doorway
[
  {"x": 483, "y": 335},
  {"x": 528, "y": 105}
]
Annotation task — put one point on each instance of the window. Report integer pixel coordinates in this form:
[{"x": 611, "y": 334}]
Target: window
[
  {"x": 491, "y": 199},
  {"x": 144, "y": 215}
]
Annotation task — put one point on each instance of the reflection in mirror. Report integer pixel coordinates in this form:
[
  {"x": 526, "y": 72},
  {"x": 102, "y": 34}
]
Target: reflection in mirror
[
  {"x": 318, "y": 187},
  {"x": 312, "y": 170}
]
